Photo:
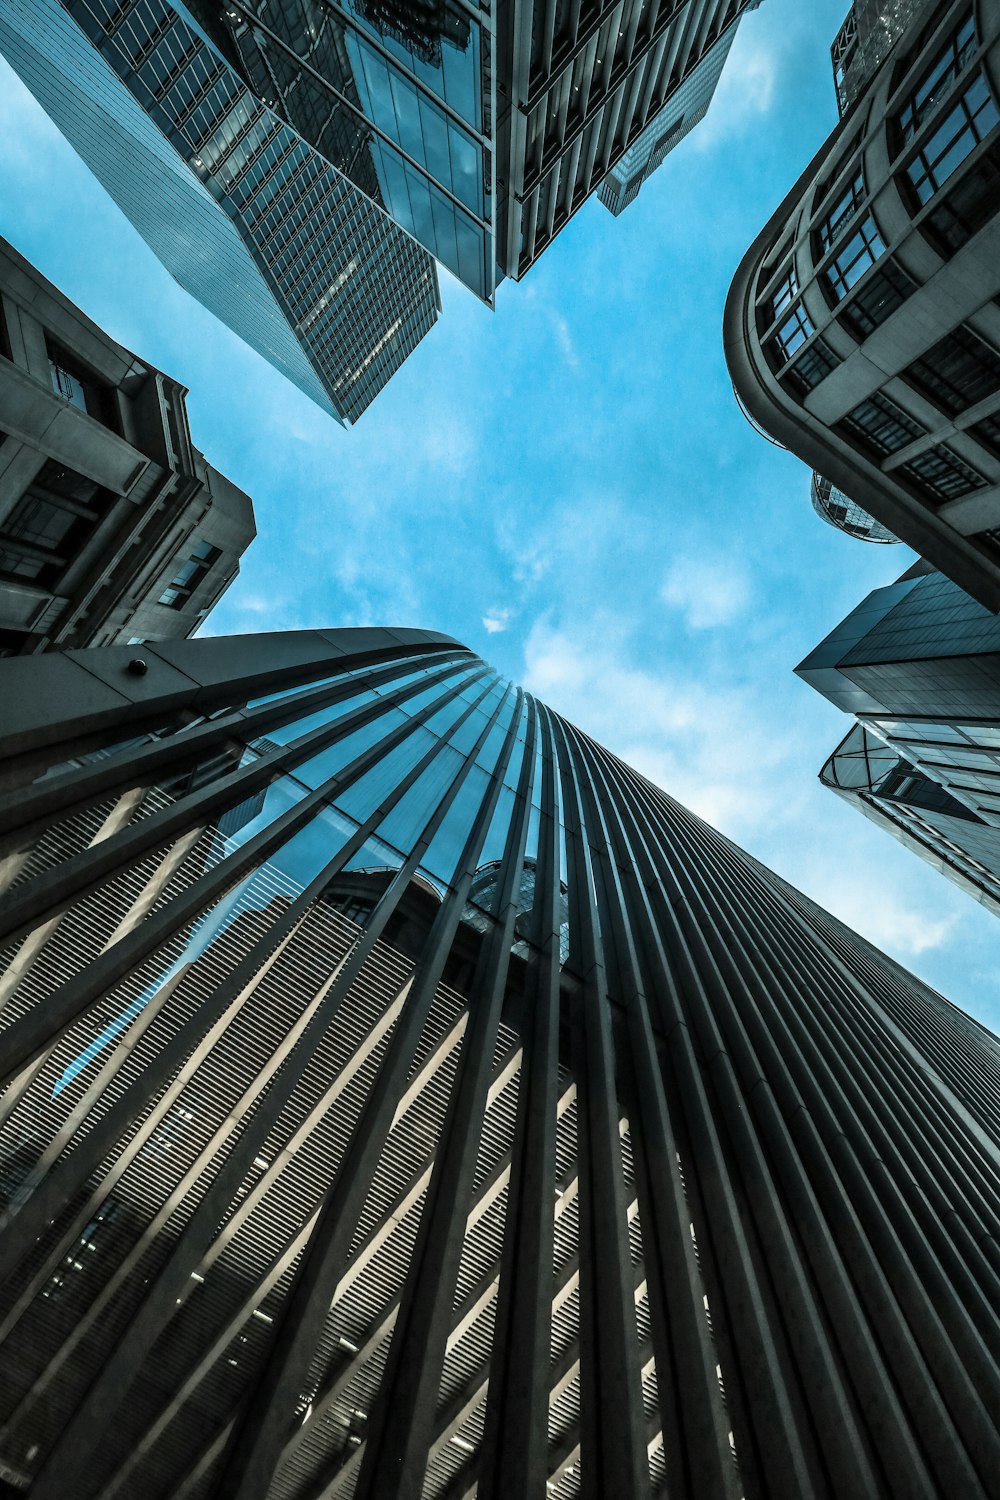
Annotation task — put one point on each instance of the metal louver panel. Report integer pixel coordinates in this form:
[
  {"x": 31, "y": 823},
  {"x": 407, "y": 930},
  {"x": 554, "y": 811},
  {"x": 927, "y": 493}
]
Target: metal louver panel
[{"x": 418, "y": 1102}]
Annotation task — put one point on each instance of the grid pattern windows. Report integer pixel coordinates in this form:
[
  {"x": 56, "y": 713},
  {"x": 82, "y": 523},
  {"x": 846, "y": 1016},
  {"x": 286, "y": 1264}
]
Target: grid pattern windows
[
  {"x": 970, "y": 204},
  {"x": 938, "y": 79},
  {"x": 791, "y": 334},
  {"x": 987, "y": 432},
  {"x": 969, "y": 122},
  {"x": 856, "y": 256},
  {"x": 884, "y": 291},
  {"x": 812, "y": 366},
  {"x": 957, "y": 372},
  {"x": 941, "y": 474},
  {"x": 189, "y": 575},
  {"x": 49, "y": 523},
  {"x": 879, "y": 425},
  {"x": 784, "y": 293},
  {"x": 836, "y": 220},
  {"x": 356, "y": 292}
]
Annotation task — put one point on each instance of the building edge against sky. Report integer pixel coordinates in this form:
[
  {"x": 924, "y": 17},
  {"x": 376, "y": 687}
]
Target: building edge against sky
[
  {"x": 684, "y": 110},
  {"x": 489, "y": 126},
  {"x": 404, "y": 1095},
  {"x": 112, "y": 525},
  {"x": 862, "y": 329},
  {"x": 918, "y": 665},
  {"x": 246, "y": 217}
]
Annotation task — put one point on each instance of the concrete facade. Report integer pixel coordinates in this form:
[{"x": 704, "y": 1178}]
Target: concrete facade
[
  {"x": 862, "y": 328},
  {"x": 106, "y": 507}
]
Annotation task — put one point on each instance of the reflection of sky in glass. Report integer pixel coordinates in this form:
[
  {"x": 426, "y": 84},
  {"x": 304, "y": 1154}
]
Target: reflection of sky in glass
[
  {"x": 309, "y": 850},
  {"x": 296, "y": 863},
  {"x": 205, "y": 930}
]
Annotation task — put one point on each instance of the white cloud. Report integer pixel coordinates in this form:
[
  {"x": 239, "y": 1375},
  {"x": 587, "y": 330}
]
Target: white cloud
[
  {"x": 709, "y": 592},
  {"x": 496, "y": 621},
  {"x": 714, "y": 749},
  {"x": 565, "y": 340},
  {"x": 746, "y": 88}
]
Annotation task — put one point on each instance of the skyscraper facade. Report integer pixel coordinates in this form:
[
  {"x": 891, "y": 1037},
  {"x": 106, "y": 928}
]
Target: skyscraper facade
[
  {"x": 870, "y": 30},
  {"x": 685, "y": 109},
  {"x": 879, "y": 780},
  {"x": 918, "y": 665},
  {"x": 404, "y": 1097},
  {"x": 113, "y": 527},
  {"x": 489, "y": 125},
  {"x": 863, "y": 325},
  {"x": 263, "y": 230}
]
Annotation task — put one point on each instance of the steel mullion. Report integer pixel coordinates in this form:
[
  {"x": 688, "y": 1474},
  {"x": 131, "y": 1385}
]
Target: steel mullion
[
  {"x": 259, "y": 1292},
  {"x": 968, "y": 1356},
  {"x": 256, "y": 1443},
  {"x": 699, "y": 1461},
  {"x": 904, "y": 1459},
  {"x": 769, "y": 1442},
  {"x": 514, "y": 1451},
  {"x": 71, "y": 1453},
  {"x": 400, "y": 1422},
  {"x": 100, "y": 1140},
  {"x": 610, "y": 1391},
  {"x": 32, "y": 1033},
  {"x": 841, "y": 1435},
  {"x": 53, "y": 890},
  {"x": 37, "y": 805}
]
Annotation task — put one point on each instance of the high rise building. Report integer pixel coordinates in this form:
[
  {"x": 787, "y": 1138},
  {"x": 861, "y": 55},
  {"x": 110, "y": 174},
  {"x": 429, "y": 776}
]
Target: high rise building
[
  {"x": 879, "y": 780},
  {"x": 870, "y": 30},
  {"x": 863, "y": 325},
  {"x": 918, "y": 665},
  {"x": 489, "y": 124},
  {"x": 404, "y": 1097},
  {"x": 112, "y": 525},
  {"x": 263, "y": 230},
  {"x": 684, "y": 110}
]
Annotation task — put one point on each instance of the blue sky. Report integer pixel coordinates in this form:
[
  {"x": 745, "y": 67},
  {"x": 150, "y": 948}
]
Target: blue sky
[{"x": 567, "y": 486}]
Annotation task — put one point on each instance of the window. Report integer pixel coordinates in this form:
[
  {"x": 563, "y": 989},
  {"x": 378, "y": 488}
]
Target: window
[
  {"x": 791, "y": 334},
  {"x": 812, "y": 366},
  {"x": 189, "y": 574},
  {"x": 855, "y": 257},
  {"x": 941, "y": 474},
  {"x": 987, "y": 432},
  {"x": 847, "y": 203},
  {"x": 785, "y": 291},
  {"x": 49, "y": 524},
  {"x": 937, "y": 80},
  {"x": 956, "y": 372},
  {"x": 881, "y": 294},
  {"x": 79, "y": 386},
  {"x": 972, "y": 202},
  {"x": 879, "y": 425},
  {"x": 67, "y": 386},
  {"x": 961, "y": 130}
]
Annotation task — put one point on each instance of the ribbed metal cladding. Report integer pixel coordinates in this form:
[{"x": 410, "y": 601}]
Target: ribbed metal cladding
[{"x": 404, "y": 1097}]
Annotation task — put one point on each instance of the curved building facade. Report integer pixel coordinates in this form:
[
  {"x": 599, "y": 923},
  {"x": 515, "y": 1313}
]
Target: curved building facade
[
  {"x": 863, "y": 327},
  {"x": 839, "y": 510},
  {"x": 404, "y": 1097}
]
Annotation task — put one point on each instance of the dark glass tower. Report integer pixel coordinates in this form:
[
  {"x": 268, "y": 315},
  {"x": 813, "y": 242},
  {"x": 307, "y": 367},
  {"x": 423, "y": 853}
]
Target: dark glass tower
[
  {"x": 918, "y": 665},
  {"x": 863, "y": 325},
  {"x": 406, "y": 1098},
  {"x": 285, "y": 249},
  {"x": 880, "y": 780},
  {"x": 489, "y": 125}
]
